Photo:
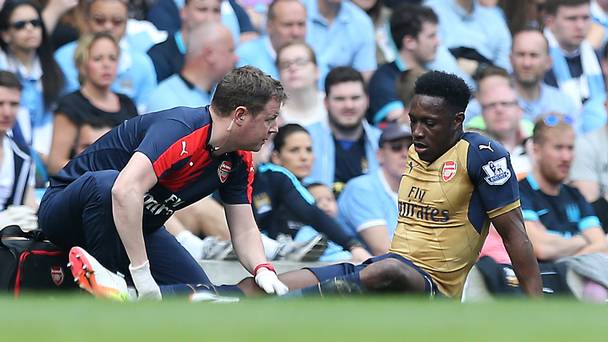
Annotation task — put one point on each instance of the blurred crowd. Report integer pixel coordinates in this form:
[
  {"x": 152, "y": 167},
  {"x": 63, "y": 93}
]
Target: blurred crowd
[{"x": 327, "y": 185}]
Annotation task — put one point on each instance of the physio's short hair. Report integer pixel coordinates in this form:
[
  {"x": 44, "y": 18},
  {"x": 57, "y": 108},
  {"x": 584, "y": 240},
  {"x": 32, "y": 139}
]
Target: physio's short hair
[
  {"x": 280, "y": 139},
  {"x": 407, "y": 20},
  {"x": 9, "y": 80},
  {"x": 342, "y": 75},
  {"x": 551, "y": 6},
  {"x": 246, "y": 86},
  {"x": 449, "y": 87}
]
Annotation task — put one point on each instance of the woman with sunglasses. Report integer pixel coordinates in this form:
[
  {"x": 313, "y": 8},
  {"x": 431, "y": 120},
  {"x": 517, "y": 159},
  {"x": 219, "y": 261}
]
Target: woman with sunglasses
[
  {"x": 26, "y": 51},
  {"x": 89, "y": 112},
  {"x": 281, "y": 203}
]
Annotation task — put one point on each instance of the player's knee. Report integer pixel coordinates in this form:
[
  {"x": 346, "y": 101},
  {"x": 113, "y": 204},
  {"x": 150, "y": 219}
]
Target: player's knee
[{"x": 394, "y": 275}]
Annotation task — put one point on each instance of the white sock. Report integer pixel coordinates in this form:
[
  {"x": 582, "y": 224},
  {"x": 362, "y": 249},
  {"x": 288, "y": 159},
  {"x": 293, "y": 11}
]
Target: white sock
[
  {"x": 271, "y": 247},
  {"x": 192, "y": 243}
]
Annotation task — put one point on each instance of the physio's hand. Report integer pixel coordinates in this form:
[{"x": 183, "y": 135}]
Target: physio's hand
[
  {"x": 144, "y": 283},
  {"x": 21, "y": 215},
  {"x": 267, "y": 280}
]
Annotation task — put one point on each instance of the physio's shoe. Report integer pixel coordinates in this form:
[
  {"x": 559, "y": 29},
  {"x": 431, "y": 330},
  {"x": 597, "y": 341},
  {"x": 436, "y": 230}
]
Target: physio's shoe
[{"x": 96, "y": 279}]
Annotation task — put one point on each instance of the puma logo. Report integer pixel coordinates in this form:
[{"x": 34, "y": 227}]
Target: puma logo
[
  {"x": 486, "y": 147},
  {"x": 183, "y": 149}
]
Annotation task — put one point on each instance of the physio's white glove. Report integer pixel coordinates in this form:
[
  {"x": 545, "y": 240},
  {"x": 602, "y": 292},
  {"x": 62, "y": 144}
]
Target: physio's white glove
[
  {"x": 266, "y": 278},
  {"x": 21, "y": 215},
  {"x": 144, "y": 283}
]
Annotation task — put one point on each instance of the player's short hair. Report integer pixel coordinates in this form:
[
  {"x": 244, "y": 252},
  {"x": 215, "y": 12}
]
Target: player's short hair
[
  {"x": 271, "y": 13},
  {"x": 407, "y": 20},
  {"x": 342, "y": 75},
  {"x": 280, "y": 139},
  {"x": 550, "y": 124},
  {"x": 247, "y": 86},
  {"x": 9, "y": 80},
  {"x": 83, "y": 50},
  {"x": 552, "y": 6},
  {"x": 449, "y": 87}
]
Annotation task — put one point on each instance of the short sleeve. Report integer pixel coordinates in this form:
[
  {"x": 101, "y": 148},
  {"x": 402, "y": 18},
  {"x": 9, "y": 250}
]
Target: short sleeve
[
  {"x": 491, "y": 172},
  {"x": 239, "y": 186},
  {"x": 357, "y": 210}
]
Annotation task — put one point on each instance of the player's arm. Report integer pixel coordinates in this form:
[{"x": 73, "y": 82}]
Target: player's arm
[
  {"x": 128, "y": 191},
  {"x": 247, "y": 243},
  {"x": 510, "y": 226}
]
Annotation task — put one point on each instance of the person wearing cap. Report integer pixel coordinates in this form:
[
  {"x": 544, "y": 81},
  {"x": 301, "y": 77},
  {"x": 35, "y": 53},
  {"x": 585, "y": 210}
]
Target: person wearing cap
[{"x": 368, "y": 204}]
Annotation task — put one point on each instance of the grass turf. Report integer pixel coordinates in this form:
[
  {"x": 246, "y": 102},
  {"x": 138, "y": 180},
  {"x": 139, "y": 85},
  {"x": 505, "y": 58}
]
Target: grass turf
[{"x": 82, "y": 318}]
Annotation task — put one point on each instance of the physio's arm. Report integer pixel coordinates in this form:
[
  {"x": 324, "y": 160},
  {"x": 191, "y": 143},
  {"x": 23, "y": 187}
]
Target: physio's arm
[
  {"x": 128, "y": 204},
  {"x": 510, "y": 226},
  {"x": 245, "y": 235}
]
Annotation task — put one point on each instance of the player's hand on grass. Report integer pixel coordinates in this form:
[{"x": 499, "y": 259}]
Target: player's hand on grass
[
  {"x": 359, "y": 254},
  {"x": 144, "y": 283},
  {"x": 267, "y": 280}
]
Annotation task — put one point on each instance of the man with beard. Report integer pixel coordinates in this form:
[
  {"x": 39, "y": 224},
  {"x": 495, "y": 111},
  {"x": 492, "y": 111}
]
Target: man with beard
[{"x": 346, "y": 147}]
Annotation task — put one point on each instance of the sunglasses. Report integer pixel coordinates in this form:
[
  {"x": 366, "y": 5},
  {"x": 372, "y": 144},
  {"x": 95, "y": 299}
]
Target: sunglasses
[
  {"x": 21, "y": 24},
  {"x": 552, "y": 120},
  {"x": 101, "y": 20}
]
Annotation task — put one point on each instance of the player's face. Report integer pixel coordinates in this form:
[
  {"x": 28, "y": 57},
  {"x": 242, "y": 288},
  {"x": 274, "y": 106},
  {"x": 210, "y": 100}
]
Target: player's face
[
  {"x": 325, "y": 199},
  {"x": 393, "y": 156},
  {"x": 427, "y": 43},
  {"x": 257, "y": 129},
  {"x": 554, "y": 154},
  {"x": 296, "y": 154},
  {"x": 297, "y": 71},
  {"x": 570, "y": 25},
  {"x": 529, "y": 57},
  {"x": 196, "y": 12},
  {"x": 434, "y": 131},
  {"x": 9, "y": 106},
  {"x": 501, "y": 111},
  {"x": 288, "y": 25},
  {"x": 346, "y": 104},
  {"x": 100, "y": 68},
  {"x": 25, "y": 29},
  {"x": 108, "y": 16}
]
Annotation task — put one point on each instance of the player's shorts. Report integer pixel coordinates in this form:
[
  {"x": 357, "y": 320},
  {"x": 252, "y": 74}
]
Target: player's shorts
[{"x": 328, "y": 272}]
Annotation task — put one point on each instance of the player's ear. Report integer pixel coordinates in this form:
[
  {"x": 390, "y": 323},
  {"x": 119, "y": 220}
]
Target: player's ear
[{"x": 458, "y": 119}]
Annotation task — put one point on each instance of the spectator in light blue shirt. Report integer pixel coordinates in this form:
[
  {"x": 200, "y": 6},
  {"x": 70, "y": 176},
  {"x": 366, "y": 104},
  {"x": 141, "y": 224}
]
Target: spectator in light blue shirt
[
  {"x": 210, "y": 56},
  {"x": 286, "y": 24},
  {"x": 341, "y": 34},
  {"x": 368, "y": 204},
  {"x": 467, "y": 28},
  {"x": 136, "y": 77}
]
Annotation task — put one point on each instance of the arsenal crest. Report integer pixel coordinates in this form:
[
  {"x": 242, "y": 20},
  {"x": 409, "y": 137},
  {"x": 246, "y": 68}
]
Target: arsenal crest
[
  {"x": 448, "y": 171},
  {"x": 224, "y": 170},
  {"x": 57, "y": 275}
]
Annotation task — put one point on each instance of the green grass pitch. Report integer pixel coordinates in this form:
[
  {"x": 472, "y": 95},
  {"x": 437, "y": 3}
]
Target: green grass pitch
[{"x": 83, "y": 318}]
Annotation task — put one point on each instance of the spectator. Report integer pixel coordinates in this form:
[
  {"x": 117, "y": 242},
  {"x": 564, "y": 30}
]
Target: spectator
[
  {"x": 558, "y": 219},
  {"x": 27, "y": 52},
  {"x": 502, "y": 116},
  {"x": 286, "y": 24},
  {"x": 576, "y": 68},
  {"x": 368, "y": 204},
  {"x": 16, "y": 176},
  {"x": 89, "y": 112},
  {"x": 530, "y": 59},
  {"x": 168, "y": 56},
  {"x": 136, "y": 77},
  {"x": 474, "y": 34},
  {"x": 379, "y": 14},
  {"x": 210, "y": 56},
  {"x": 589, "y": 171},
  {"x": 346, "y": 147},
  {"x": 299, "y": 74},
  {"x": 341, "y": 35}
]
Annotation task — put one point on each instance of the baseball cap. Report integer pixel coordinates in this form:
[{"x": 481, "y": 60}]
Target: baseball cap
[{"x": 395, "y": 131}]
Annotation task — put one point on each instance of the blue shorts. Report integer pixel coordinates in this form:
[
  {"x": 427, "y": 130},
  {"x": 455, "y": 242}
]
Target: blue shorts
[{"x": 328, "y": 272}]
